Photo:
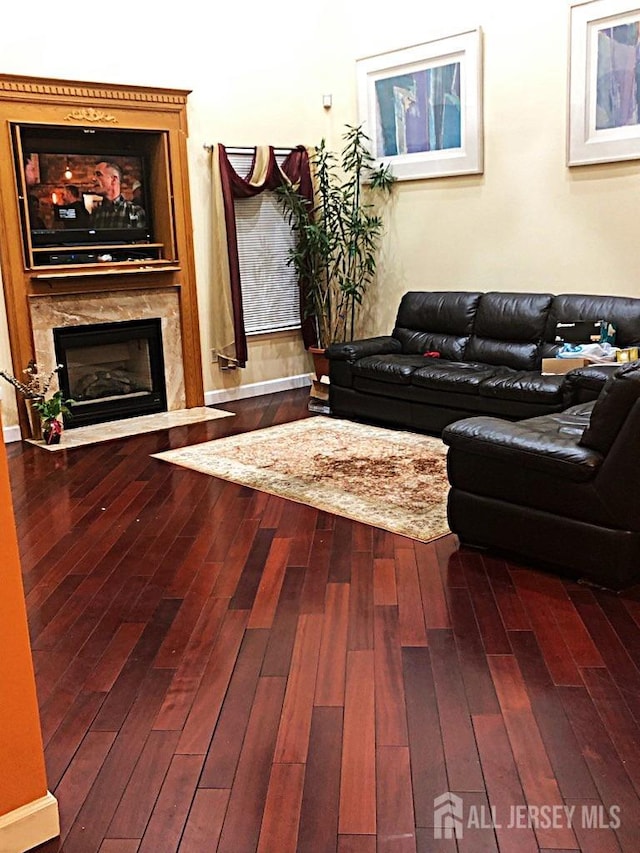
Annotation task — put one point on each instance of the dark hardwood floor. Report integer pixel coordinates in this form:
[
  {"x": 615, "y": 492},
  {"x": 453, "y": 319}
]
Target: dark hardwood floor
[{"x": 222, "y": 670}]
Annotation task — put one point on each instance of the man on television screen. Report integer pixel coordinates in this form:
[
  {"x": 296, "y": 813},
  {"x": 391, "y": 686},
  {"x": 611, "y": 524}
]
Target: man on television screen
[
  {"x": 114, "y": 211},
  {"x": 72, "y": 212}
]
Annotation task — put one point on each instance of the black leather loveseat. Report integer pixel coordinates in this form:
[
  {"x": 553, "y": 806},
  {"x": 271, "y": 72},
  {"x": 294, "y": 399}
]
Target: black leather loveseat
[
  {"x": 561, "y": 489},
  {"x": 489, "y": 345}
]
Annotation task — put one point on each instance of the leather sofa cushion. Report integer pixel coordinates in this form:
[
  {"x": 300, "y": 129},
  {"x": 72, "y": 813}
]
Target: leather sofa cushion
[
  {"x": 623, "y": 311},
  {"x": 524, "y": 385},
  {"x": 513, "y": 316},
  {"x": 549, "y": 443},
  {"x": 451, "y": 312},
  {"x": 519, "y": 356},
  {"x": 509, "y": 328},
  {"x": 435, "y": 401},
  {"x": 612, "y": 407},
  {"x": 450, "y": 347},
  {"x": 397, "y": 369},
  {"x": 439, "y": 321},
  {"x": 461, "y": 377}
]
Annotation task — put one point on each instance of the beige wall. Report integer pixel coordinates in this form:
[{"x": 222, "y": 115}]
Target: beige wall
[{"x": 528, "y": 222}]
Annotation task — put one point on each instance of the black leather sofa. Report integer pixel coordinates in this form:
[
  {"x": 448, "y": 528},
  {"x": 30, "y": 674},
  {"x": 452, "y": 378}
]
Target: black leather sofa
[
  {"x": 560, "y": 489},
  {"x": 490, "y": 346}
]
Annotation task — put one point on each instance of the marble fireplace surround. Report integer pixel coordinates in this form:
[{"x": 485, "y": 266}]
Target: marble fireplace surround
[{"x": 53, "y": 311}]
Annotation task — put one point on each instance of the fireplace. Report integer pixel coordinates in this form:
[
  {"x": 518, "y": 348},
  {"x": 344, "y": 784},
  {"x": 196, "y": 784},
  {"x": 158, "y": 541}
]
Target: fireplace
[{"x": 111, "y": 370}]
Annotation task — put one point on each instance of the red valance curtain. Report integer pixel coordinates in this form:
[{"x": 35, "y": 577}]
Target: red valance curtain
[{"x": 230, "y": 339}]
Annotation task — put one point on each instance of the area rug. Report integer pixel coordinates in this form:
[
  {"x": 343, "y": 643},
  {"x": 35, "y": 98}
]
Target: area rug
[
  {"x": 391, "y": 479},
  {"x": 126, "y": 427}
]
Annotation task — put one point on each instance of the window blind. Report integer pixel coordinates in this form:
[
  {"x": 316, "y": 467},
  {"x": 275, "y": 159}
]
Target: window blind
[{"x": 270, "y": 295}]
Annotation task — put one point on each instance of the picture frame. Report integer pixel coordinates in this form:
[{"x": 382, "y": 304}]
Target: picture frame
[
  {"x": 421, "y": 107},
  {"x": 604, "y": 97}
]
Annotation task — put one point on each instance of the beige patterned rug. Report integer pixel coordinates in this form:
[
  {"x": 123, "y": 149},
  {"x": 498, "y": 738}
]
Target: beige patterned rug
[{"x": 387, "y": 478}]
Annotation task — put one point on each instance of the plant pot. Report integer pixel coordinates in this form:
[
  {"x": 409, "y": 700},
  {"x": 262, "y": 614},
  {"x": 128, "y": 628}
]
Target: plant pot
[
  {"x": 320, "y": 362},
  {"x": 51, "y": 431}
]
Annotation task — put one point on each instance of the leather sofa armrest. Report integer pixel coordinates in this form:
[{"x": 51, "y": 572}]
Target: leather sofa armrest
[
  {"x": 583, "y": 384},
  {"x": 353, "y": 350},
  {"x": 553, "y": 450}
]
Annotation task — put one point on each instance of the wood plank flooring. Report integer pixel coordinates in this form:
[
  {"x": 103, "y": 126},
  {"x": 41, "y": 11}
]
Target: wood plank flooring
[{"x": 222, "y": 670}]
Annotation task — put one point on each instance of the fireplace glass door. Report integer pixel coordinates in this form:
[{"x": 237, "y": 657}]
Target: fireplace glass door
[{"x": 111, "y": 370}]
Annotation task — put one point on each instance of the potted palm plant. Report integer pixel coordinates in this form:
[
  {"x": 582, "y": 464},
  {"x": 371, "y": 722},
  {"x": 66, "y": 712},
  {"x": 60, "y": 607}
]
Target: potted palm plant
[{"x": 337, "y": 236}]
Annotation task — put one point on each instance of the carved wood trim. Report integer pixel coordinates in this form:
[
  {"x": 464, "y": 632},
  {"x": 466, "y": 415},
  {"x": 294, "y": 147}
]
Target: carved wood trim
[
  {"x": 68, "y": 89},
  {"x": 90, "y": 114}
]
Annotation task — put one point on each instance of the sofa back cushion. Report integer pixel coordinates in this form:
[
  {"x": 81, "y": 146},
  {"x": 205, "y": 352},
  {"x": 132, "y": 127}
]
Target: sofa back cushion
[
  {"x": 436, "y": 321},
  {"x": 509, "y": 329},
  {"x": 612, "y": 407},
  {"x": 622, "y": 311}
]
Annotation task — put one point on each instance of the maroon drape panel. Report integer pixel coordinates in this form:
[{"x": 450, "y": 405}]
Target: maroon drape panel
[{"x": 296, "y": 168}]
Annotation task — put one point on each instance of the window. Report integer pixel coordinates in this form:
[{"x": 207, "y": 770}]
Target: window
[{"x": 270, "y": 295}]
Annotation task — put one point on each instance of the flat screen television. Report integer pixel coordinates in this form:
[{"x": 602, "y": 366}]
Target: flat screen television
[
  {"x": 83, "y": 188},
  {"x": 65, "y": 205}
]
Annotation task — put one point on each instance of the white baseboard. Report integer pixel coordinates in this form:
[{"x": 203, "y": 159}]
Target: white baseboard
[
  {"x": 30, "y": 825},
  {"x": 257, "y": 389},
  {"x": 11, "y": 433}
]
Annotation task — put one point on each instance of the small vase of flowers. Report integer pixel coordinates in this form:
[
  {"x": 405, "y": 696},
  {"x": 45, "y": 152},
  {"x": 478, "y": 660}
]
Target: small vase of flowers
[
  {"x": 51, "y": 410},
  {"x": 46, "y": 408}
]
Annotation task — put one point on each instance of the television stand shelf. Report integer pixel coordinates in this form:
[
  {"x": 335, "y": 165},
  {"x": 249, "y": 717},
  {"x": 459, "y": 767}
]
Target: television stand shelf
[
  {"x": 155, "y": 267},
  {"x": 70, "y": 256}
]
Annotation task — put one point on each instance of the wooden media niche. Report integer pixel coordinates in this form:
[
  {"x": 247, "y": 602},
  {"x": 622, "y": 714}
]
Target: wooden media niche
[{"x": 56, "y": 266}]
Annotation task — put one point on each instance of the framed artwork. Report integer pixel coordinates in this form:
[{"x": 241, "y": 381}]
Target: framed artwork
[
  {"x": 421, "y": 107},
  {"x": 604, "y": 83}
]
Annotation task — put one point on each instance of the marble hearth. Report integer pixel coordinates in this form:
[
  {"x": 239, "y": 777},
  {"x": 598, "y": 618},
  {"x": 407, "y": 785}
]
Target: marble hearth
[{"x": 78, "y": 309}]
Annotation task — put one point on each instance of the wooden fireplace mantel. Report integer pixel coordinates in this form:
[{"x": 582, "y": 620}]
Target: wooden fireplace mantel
[{"x": 155, "y": 121}]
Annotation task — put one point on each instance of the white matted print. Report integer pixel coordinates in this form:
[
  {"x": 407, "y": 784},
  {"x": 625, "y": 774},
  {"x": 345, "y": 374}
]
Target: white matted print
[
  {"x": 421, "y": 107},
  {"x": 604, "y": 83}
]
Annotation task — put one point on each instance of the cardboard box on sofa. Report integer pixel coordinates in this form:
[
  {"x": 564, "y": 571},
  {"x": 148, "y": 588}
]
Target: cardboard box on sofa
[{"x": 562, "y": 365}]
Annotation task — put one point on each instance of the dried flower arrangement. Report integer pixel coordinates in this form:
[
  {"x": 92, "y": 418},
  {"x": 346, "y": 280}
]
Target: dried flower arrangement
[{"x": 38, "y": 384}]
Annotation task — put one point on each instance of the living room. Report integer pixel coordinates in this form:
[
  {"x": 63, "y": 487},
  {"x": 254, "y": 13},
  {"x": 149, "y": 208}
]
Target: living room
[
  {"x": 544, "y": 694},
  {"x": 528, "y": 222}
]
